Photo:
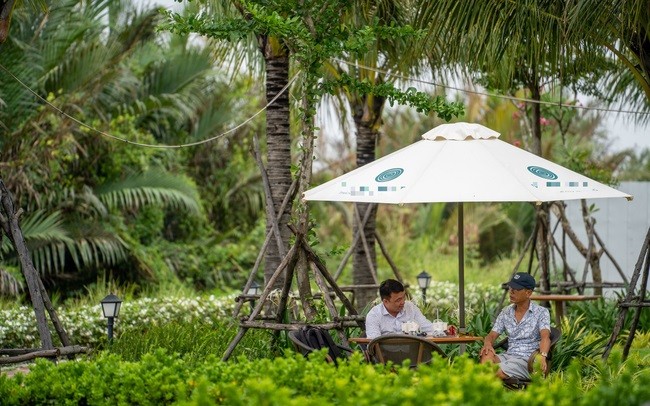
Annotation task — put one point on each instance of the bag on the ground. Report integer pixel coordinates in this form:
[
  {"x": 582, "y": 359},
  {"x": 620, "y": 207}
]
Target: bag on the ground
[{"x": 317, "y": 338}]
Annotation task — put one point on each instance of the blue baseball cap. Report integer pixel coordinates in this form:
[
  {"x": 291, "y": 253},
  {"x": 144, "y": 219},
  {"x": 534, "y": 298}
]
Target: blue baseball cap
[{"x": 522, "y": 280}]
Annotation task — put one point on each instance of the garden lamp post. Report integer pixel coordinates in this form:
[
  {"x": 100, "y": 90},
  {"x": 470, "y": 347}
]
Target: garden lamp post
[
  {"x": 111, "y": 308},
  {"x": 423, "y": 280},
  {"x": 254, "y": 290}
]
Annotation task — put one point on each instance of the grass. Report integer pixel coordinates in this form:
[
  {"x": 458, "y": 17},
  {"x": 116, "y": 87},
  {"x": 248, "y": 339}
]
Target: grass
[{"x": 193, "y": 340}]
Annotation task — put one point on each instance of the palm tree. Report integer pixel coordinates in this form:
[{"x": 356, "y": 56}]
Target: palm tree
[
  {"x": 77, "y": 187},
  {"x": 623, "y": 28},
  {"x": 512, "y": 45},
  {"x": 274, "y": 52},
  {"x": 378, "y": 65}
]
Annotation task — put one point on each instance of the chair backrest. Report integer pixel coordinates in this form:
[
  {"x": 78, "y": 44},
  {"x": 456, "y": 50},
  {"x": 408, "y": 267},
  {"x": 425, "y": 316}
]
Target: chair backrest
[
  {"x": 400, "y": 347},
  {"x": 555, "y": 337},
  {"x": 310, "y": 338},
  {"x": 556, "y": 334}
]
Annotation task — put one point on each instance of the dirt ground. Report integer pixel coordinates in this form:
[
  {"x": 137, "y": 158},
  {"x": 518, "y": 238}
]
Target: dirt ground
[{"x": 14, "y": 369}]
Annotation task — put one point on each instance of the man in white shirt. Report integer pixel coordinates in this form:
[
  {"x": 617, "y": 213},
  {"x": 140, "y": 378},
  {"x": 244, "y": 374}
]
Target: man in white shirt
[{"x": 387, "y": 317}]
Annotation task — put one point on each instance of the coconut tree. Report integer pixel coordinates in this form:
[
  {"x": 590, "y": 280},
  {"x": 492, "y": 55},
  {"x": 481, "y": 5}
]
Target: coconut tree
[
  {"x": 77, "y": 186},
  {"x": 367, "y": 100},
  {"x": 266, "y": 56},
  {"x": 511, "y": 46},
  {"x": 381, "y": 64},
  {"x": 622, "y": 28}
]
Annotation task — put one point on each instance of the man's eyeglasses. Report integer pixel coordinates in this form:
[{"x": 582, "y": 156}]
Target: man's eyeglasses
[{"x": 515, "y": 290}]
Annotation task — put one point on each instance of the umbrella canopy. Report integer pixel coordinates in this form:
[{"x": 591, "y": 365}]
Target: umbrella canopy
[{"x": 461, "y": 162}]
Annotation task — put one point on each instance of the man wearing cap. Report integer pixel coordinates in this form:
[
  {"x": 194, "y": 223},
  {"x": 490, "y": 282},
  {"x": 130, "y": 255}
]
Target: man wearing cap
[{"x": 528, "y": 327}]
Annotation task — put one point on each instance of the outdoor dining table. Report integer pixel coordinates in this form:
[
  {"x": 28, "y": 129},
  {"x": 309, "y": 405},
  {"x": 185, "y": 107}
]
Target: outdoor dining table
[
  {"x": 558, "y": 303},
  {"x": 457, "y": 339},
  {"x": 461, "y": 339}
]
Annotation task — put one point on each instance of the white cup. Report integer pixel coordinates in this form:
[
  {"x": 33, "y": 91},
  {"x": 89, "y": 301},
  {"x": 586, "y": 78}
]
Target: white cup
[
  {"x": 439, "y": 325},
  {"x": 410, "y": 327}
]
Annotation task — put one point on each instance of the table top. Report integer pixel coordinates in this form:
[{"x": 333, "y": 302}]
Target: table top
[
  {"x": 458, "y": 339},
  {"x": 564, "y": 298}
]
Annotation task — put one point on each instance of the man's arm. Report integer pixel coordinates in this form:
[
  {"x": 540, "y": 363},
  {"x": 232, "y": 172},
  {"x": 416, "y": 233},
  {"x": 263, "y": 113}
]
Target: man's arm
[
  {"x": 373, "y": 329},
  {"x": 544, "y": 348},
  {"x": 423, "y": 322}
]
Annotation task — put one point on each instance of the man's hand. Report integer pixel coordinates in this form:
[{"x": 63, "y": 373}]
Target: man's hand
[
  {"x": 487, "y": 350},
  {"x": 544, "y": 364},
  {"x": 540, "y": 364}
]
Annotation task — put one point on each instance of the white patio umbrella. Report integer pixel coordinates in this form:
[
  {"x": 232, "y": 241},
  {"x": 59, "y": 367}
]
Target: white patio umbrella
[{"x": 460, "y": 162}]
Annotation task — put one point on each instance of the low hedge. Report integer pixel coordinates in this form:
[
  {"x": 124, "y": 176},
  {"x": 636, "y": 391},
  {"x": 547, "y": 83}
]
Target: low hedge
[{"x": 162, "y": 378}]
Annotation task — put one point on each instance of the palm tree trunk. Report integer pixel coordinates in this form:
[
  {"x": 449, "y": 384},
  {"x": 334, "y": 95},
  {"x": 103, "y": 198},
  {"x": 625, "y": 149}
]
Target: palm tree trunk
[
  {"x": 278, "y": 142},
  {"x": 543, "y": 211},
  {"x": 366, "y": 143}
]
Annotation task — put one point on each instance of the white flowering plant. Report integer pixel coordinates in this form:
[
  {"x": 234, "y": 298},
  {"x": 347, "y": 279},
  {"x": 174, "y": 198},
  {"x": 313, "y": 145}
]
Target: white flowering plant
[
  {"x": 87, "y": 326},
  {"x": 442, "y": 300}
]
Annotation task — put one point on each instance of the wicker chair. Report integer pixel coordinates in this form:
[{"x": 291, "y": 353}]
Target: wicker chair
[{"x": 399, "y": 347}]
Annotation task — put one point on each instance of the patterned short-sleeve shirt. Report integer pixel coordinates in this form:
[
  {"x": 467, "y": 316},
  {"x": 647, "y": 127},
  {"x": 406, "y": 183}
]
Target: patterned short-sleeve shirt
[{"x": 523, "y": 337}]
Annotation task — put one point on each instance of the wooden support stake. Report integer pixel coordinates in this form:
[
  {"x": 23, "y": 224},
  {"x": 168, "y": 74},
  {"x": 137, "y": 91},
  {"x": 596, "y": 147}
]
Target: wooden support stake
[
  {"x": 260, "y": 303},
  {"x": 355, "y": 240},
  {"x": 366, "y": 248},
  {"x": 9, "y": 220},
  {"x": 329, "y": 303},
  {"x": 42, "y": 353},
  {"x": 637, "y": 311},
  {"x": 393, "y": 266},
  {"x": 629, "y": 297},
  {"x": 289, "y": 196}
]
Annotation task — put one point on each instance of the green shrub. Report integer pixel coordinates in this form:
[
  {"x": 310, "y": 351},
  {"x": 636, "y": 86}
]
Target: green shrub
[
  {"x": 163, "y": 378},
  {"x": 601, "y": 315},
  {"x": 577, "y": 342}
]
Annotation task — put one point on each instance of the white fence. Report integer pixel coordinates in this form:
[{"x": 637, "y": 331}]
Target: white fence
[{"x": 622, "y": 226}]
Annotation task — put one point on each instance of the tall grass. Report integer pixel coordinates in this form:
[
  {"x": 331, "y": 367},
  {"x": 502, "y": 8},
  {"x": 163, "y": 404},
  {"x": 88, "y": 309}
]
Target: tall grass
[{"x": 192, "y": 340}]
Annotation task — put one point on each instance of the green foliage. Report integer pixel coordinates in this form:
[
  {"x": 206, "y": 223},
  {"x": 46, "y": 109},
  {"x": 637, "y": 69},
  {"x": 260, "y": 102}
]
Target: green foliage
[
  {"x": 155, "y": 186},
  {"x": 207, "y": 263},
  {"x": 636, "y": 167},
  {"x": 96, "y": 200},
  {"x": 161, "y": 377},
  {"x": 420, "y": 101},
  {"x": 577, "y": 342},
  {"x": 601, "y": 315},
  {"x": 313, "y": 33}
]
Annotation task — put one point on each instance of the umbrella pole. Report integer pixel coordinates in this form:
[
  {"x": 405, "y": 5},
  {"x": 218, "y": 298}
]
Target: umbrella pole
[
  {"x": 461, "y": 275},
  {"x": 461, "y": 269}
]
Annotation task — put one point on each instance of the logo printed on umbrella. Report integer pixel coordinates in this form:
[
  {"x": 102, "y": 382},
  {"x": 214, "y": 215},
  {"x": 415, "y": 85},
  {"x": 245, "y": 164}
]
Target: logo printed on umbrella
[
  {"x": 389, "y": 174},
  {"x": 542, "y": 173}
]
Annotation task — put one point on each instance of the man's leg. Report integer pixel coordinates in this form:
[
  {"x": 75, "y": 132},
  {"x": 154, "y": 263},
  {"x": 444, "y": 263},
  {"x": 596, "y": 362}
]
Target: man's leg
[
  {"x": 494, "y": 358},
  {"x": 511, "y": 366}
]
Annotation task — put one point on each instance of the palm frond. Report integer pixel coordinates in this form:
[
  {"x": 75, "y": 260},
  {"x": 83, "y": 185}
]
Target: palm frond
[
  {"x": 153, "y": 187},
  {"x": 9, "y": 285},
  {"x": 45, "y": 237},
  {"x": 105, "y": 249}
]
